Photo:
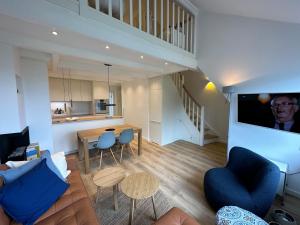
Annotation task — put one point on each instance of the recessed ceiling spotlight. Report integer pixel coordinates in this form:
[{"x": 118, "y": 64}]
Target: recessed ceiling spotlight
[
  {"x": 142, "y": 57},
  {"x": 107, "y": 47},
  {"x": 166, "y": 63},
  {"x": 54, "y": 32}
]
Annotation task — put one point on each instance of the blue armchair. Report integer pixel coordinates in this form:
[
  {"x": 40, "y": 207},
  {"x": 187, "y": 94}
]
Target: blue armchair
[{"x": 248, "y": 181}]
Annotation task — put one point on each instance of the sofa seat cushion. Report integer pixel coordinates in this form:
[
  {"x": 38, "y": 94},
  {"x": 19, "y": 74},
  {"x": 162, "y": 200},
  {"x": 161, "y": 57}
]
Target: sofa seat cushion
[
  {"x": 176, "y": 216},
  {"x": 75, "y": 192},
  {"x": 78, "y": 213}
]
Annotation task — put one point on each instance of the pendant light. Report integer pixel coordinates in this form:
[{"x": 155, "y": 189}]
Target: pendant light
[{"x": 108, "y": 84}]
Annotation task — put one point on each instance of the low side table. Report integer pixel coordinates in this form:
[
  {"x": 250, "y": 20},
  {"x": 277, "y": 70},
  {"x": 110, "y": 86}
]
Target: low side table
[
  {"x": 109, "y": 177},
  {"x": 140, "y": 186}
]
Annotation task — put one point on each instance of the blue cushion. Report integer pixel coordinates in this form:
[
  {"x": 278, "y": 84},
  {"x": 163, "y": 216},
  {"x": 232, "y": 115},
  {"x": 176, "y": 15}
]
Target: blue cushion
[
  {"x": 50, "y": 164},
  {"x": 32, "y": 194},
  {"x": 14, "y": 173}
]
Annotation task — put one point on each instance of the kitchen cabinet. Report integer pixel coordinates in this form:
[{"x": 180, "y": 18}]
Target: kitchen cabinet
[
  {"x": 86, "y": 90},
  {"x": 77, "y": 90},
  {"x": 57, "y": 90},
  {"x": 100, "y": 90}
]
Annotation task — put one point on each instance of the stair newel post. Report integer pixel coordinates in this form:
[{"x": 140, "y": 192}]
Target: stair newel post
[
  {"x": 198, "y": 128},
  {"x": 193, "y": 111},
  {"x": 202, "y": 126}
]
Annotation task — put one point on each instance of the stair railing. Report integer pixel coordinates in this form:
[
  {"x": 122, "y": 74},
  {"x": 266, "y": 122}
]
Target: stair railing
[{"x": 193, "y": 109}]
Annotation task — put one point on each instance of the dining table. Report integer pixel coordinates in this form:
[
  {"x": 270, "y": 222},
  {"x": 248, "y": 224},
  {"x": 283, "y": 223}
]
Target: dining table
[{"x": 91, "y": 135}]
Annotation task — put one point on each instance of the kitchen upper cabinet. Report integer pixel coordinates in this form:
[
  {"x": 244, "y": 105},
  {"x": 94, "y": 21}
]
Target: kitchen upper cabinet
[
  {"x": 76, "y": 90},
  {"x": 86, "y": 90},
  {"x": 65, "y": 90},
  {"x": 57, "y": 90},
  {"x": 100, "y": 90}
]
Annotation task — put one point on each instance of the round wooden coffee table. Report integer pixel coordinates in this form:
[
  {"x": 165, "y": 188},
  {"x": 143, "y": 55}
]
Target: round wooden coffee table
[
  {"x": 109, "y": 177},
  {"x": 140, "y": 186}
]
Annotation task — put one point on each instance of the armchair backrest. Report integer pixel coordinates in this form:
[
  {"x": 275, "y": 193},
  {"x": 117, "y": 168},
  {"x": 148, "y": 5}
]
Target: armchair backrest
[{"x": 252, "y": 170}]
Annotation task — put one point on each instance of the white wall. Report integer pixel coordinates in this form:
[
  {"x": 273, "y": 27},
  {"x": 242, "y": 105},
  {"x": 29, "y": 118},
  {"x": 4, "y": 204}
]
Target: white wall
[
  {"x": 10, "y": 121},
  {"x": 259, "y": 57},
  {"x": 37, "y": 101},
  {"x": 176, "y": 125},
  {"x": 233, "y": 49},
  {"x": 135, "y": 102},
  {"x": 216, "y": 107}
]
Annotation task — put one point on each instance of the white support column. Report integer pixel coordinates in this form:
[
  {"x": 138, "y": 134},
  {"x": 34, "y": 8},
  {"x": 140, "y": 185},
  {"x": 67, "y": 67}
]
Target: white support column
[
  {"x": 173, "y": 21},
  {"x": 148, "y": 17},
  {"x": 109, "y": 7},
  {"x": 192, "y": 34},
  {"x": 131, "y": 12},
  {"x": 168, "y": 22},
  {"x": 183, "y": 35},
  {"x": 121, "y": 10},
  {"x": 162, "y": 19},
  {"x": 97, "y": 5},
  {"x": 140, "y": 14},
  {"x": 187, "y": 32},
  {"x": 178, "y": 21},
  {"x": 155, "y": 18}
]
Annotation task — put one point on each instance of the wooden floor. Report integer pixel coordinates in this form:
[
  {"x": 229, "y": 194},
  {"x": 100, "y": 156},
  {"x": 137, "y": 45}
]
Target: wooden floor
[{"x": 180, "y": 167}]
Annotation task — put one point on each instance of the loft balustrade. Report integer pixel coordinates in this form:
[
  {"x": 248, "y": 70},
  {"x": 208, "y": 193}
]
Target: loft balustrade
[{"x": 164, "y": 19}]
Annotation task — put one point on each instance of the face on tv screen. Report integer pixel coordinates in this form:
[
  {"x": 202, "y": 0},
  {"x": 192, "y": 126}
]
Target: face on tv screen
[{"x": 278, "y": 111}]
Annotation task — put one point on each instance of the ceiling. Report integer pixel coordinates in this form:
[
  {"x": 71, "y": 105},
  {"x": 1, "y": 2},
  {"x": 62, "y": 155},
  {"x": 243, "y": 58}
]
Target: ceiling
[
  {"x": 84, "y": 57},
  {"x": 276, "y": 10}
]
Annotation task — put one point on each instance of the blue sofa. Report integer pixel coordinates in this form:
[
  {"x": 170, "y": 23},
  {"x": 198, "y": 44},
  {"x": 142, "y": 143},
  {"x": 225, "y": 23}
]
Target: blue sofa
[{"x": 248, "y": 181}]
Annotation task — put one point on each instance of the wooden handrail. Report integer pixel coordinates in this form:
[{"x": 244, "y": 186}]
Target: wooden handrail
[{"x": 189, "y": 94}]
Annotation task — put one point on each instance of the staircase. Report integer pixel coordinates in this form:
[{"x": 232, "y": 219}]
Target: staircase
[{"x": 194, "y": 111}]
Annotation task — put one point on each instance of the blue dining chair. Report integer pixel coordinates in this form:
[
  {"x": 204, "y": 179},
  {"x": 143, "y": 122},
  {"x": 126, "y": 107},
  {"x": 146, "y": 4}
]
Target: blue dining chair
[
  {"x": 105, "y": 142},
  {"x": 126, "y": 136}
]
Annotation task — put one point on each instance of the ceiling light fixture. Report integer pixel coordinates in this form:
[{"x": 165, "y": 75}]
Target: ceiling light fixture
[
  {"x": 107, "y": 47},
  {"x": 54, "y": 32},
  {"x": 108, "y": 84},
  {"x": 142, "y": 57},
  {"x": 166, "y": 63}
]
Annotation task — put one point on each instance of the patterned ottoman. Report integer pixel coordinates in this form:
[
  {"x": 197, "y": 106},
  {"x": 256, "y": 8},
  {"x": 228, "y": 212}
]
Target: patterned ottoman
[{"x": 233, "y": 215}]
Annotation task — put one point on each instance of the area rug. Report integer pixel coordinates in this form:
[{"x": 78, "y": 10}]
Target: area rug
[{"x": 143, "y": 215}]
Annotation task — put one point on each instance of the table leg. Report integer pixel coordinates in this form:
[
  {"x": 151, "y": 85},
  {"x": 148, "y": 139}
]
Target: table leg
[
  {"x": 86, "y": 156},
  {"x": 140, "y": 142},
  {"x": 80, "y": 152},
  {"x": 153, "y": 202},
  {"x": 115, "y": 190},
  {"x": 131, "y": 211},
  {"x": 98, "y": 193}
]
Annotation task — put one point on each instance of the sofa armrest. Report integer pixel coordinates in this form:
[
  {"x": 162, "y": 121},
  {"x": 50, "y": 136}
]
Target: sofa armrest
[
  {"x": 72, "y": 162},
  {"x": 176, "y": 216}
]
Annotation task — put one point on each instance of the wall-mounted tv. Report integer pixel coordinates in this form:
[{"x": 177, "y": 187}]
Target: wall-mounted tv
[{"x": 280, "y": 111}]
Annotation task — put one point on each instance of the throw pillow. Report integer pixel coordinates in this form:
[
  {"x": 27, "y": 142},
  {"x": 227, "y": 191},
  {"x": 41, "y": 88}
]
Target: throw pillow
[
  {"x": 12, "y": 174},
  {"x": 59, "y": 159},
  {"x": 32, "y": 194},
  {"x": 51, "y": 164}
]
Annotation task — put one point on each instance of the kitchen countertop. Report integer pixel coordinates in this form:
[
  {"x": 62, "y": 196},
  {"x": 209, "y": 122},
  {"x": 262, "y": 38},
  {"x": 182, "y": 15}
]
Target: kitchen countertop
[{"x": 69, "y": 119}]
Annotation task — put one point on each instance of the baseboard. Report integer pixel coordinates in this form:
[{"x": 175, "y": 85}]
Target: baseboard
[{"x": 293, "y": 192}]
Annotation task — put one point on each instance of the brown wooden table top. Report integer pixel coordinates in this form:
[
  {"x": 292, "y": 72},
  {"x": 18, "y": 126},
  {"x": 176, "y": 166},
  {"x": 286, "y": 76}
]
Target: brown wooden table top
[
  {"x": 95, "y": 133},
  {"x": 109, "y": 177}
]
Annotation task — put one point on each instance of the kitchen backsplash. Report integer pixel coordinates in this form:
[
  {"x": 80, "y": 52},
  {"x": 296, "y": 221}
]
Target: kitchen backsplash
[{"x": 78, "y": 108}]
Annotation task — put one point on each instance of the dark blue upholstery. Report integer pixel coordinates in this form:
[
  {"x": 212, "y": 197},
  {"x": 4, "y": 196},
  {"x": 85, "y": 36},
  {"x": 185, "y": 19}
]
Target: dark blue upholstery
[{"x": 248, "y": 180}]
